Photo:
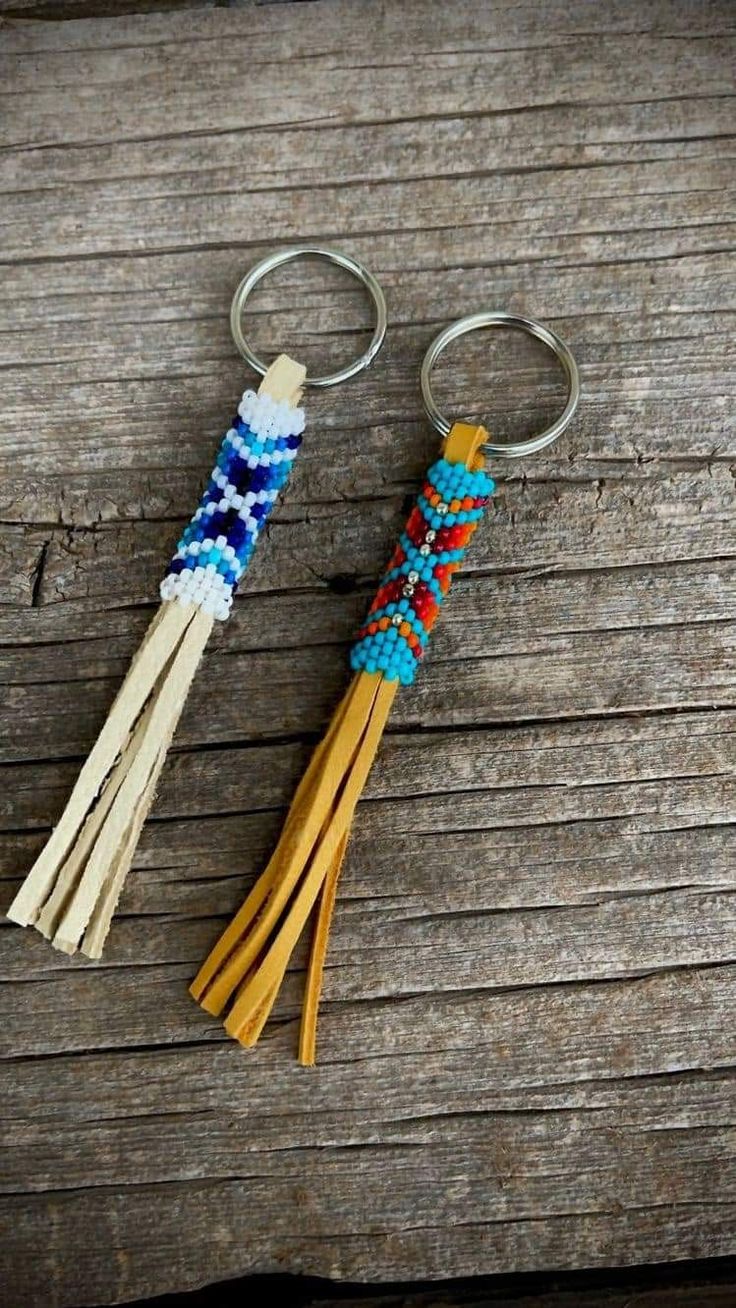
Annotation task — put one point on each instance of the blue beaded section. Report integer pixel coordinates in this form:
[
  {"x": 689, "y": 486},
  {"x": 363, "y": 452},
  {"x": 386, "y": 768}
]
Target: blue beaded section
[{"x": 251, "y": 469}]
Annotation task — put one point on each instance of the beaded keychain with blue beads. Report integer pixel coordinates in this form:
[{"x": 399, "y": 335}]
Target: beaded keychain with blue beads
[
  {"x": 252, "y": 468},
  {"x": 246, "y": 966},
  {"x": 71, "y": 892}
]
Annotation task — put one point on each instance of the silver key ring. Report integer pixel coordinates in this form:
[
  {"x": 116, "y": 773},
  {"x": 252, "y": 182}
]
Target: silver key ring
[
  {"x": 280, "y": 257},
  {"x": 555, "y": 343}
]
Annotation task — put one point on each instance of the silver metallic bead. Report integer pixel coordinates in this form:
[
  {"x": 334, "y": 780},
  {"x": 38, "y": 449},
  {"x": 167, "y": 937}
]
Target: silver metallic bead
[
  {"x": 413, "y": 578},
  {"x": 442, "y": 508},
  {"x": 424, "y": 550},
  {"x": 431, "y": 535},
  {"x": 397, "y": 619},
  {"x": 408, "y": 590}
]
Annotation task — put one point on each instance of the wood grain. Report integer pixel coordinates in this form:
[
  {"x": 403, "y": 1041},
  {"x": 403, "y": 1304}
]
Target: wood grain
[{"x": 527, "y": 1050}]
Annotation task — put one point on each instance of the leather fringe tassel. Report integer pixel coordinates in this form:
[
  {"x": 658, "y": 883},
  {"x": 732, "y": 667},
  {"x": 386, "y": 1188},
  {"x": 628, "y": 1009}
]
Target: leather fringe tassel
[
  {"x": 72, "y": 890},
  {"x": 253, "y": 953},
  {"x": 247, "y": 965}
]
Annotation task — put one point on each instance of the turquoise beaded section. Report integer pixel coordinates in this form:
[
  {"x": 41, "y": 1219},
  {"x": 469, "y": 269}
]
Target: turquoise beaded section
[{"x": 431, "y": 549}]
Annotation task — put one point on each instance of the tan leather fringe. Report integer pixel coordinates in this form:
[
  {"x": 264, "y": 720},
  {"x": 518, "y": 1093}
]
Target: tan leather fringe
[
  {"x": 248, "y": 963},
  {"x": 252, "y": 954},
  {"x": 317, "y": 954},
  {"x": 159, "y": 641},
  {"x": 72, "y": 890}
]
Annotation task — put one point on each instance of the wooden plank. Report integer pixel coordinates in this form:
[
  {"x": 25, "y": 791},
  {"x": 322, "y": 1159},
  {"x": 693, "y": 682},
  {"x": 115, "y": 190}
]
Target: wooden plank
[{"x": 527, "y": 1043}]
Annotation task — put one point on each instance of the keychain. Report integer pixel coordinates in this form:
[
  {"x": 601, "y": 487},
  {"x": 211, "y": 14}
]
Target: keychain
[
  {"x": 248, "y": 963},
  {"x": 71, "y": 892}
]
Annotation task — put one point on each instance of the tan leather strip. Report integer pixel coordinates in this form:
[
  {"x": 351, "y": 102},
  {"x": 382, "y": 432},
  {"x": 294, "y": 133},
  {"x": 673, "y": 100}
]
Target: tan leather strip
[
  {"x": 317, "y": 954},
  {"x": 235, "y": 930},
  {"x": 462, "y": 444},
  {"x": 284, "y": 380},
  {"x": 295, "y": 847},
  {"x": 161, "y": 638},
  {"x": 249, "y": 1033},
  {"x": 266, "y": 978},
  {"x": 226, "y": 965},
  {"x": 165, "y": 712},
  {"x": 67, "y": 878},
  {"x": 94, "y": 938}
]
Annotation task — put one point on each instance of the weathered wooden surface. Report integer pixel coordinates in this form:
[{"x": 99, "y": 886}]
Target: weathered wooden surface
[{"x": 527, "y": 1044}]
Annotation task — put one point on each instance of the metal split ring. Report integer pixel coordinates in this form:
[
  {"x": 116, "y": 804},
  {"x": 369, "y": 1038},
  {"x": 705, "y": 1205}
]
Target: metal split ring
[
  {"x": 555, "y": 343},
  {"x": 280, "y": 257}
]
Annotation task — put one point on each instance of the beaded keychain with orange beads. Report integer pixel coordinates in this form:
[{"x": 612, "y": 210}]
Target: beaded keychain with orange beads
[{"x": 247, "y": 965}]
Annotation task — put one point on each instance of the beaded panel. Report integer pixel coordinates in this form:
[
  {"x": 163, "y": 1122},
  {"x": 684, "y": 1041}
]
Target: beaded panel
[
  {"x": 252, "y": 467},
  {"x": 432, "y": 547}
]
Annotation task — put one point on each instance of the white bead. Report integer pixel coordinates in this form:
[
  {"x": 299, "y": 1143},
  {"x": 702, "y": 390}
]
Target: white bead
[
  {"x": 237, "y": 501},
  {"x": 220, "y": 542}
]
